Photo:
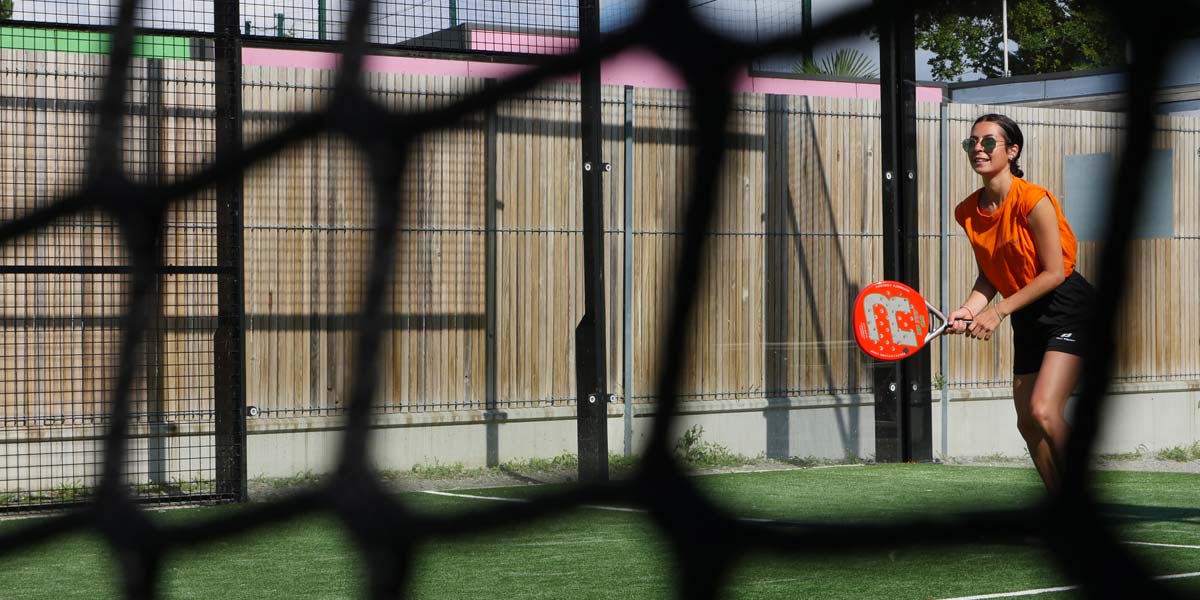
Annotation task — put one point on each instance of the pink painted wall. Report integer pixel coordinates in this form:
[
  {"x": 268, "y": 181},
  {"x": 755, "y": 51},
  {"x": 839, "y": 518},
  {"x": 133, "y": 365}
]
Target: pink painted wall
[
  {"x": 505, "y": 41},
  {"x": 636, "y": 67}
]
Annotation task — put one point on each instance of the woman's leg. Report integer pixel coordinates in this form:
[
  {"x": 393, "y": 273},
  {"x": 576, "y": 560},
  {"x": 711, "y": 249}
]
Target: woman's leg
[
  {"x": 1057, "y": 379},
  {"x": 1041, "y": 400},
  {"x": 1031, "y": 430}
]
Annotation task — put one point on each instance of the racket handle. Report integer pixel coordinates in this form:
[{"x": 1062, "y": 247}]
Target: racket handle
[{"x": 945, "y": 323}]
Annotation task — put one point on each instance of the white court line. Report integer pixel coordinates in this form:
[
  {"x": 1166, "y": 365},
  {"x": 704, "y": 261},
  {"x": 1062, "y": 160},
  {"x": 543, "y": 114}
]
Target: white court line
[
  {"x": 1065, "y": 588},
  {"x": 1163, "y": 545},
  {"x": 748, "y": 519},
  {"x": 526, "y": 501},
  {"x": 595, "y": 506},
  {"x": 473, "y": 497},
  {"x": 1036, "y": 592},
  {"x": 786, "y": 469}
]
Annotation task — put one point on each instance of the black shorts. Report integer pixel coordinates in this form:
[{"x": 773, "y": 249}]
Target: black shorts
[{"x": 1057, "y": 321}]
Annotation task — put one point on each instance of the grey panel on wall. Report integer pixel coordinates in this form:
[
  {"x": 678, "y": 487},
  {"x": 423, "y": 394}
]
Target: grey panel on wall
[{"x": 1089, "y": 187}]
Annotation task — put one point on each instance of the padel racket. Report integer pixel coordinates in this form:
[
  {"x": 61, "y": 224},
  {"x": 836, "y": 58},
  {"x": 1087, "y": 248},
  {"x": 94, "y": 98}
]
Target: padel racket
[{"x": 891, "y": 320}]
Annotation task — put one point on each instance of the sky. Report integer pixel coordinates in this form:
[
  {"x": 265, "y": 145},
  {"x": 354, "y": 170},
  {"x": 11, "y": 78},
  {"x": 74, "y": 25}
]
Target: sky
[{"x": 399, "y": 20}]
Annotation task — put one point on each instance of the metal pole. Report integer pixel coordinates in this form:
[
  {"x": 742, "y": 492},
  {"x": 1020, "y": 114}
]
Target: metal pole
[
  {"x": 157, "y": 444},
  {"x": 806, "y": 46},
  {"x": 627, "y": 300},
  {"x": 278, "y": 24},
  {"x": 229, "y": 341},
  {"x": 1004, "y": 10},
  {"x": 491, "y": 401},
  {"x": 944, "y": 241},
  {"x": 320, "y": 19},
  {"x": 591, "y": 368},
  {"x": 453, "y": 13}
]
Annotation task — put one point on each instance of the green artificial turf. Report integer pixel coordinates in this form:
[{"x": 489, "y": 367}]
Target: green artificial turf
[{"x": 591, "y": 553}]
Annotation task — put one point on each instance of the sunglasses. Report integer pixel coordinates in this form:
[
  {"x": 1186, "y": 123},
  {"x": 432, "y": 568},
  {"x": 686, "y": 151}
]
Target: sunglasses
[{"x": 988, "y": 142}]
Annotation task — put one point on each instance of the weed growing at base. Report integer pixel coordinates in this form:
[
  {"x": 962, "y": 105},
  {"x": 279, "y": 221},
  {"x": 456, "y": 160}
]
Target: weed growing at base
[{"x": 1180, "y": 453}]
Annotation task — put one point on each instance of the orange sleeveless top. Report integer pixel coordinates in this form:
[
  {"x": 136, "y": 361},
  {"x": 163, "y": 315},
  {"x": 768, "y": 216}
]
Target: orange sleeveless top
[{"x": 1003, "y": 242}]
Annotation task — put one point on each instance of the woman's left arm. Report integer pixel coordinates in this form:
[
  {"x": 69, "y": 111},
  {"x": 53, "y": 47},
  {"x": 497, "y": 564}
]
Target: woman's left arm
[{"x": 1043, "y": 224}]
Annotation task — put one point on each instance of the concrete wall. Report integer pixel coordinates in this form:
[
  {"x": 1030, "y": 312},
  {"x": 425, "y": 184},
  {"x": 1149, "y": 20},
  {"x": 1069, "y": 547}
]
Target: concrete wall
[
  {"x": 824, "y": 427},
  {"x": 1138, "y": 416},
  {"x": 1144, "y": 416},
  {"x": 1148, "y": 416}
]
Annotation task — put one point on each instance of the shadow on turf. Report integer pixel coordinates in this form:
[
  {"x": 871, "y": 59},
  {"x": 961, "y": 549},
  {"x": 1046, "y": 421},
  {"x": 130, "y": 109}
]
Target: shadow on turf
[{"x": 1134, "y": 513}]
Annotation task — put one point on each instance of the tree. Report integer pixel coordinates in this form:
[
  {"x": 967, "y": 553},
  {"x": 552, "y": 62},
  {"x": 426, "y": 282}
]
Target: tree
[
  {"x": 846, "y": 62},
  {"x": 1046, "y": 36},
  {"x": 6, "y": 9}
]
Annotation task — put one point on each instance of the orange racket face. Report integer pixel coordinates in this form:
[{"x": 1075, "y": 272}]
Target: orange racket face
[{"x": 891, "y": 320}]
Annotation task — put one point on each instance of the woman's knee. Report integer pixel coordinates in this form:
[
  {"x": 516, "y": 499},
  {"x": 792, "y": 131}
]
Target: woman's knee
[
  {"x": 1029, "y": 427},
  {"x": 1046, "y": 412}
]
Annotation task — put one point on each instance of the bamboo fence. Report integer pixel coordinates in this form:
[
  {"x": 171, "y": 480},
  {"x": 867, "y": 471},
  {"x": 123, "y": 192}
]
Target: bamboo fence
[{"x": 797, "y": 234}]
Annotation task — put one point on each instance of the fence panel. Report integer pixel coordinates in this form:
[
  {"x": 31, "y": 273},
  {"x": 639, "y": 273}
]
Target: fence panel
[{"x": 63, "y": 289}]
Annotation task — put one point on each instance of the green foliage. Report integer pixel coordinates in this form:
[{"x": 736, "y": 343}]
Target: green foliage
[
  {"x": 1180, "y": 453},
  {"x": 176, "y": 487},
  {"x": 846, "y": 62},
  {"x": 1137, "y": 454},
  {"x": 67, "y": 491},
  {"x": 440, "y": 471},
  {"x": 6, "y": 9},
  {"x": 808, "y": 462},
  {"x": 303, "y": 479},
  {"x": 939, "y": 381},
  {"x": 692, "y": 450},
  {"x": 565, "y": 460},
  {"x": 1046, "y": 36}
]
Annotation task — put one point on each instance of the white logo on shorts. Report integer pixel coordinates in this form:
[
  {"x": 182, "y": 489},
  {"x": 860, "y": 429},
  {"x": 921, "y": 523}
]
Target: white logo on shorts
[{"x": 1066, "y": 337}]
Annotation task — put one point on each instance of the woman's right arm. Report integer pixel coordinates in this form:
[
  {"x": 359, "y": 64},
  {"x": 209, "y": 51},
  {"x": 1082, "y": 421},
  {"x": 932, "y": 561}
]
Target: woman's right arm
[{"x": 981, "y": 295}]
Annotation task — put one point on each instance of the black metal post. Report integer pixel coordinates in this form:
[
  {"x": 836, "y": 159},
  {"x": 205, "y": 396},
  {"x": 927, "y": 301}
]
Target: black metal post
[
  {"x": 778, "y": 288},
  {"x": 902, "y": 389},
  {"x": 156, "y": 444},
  {"x": 229, "y": 374},
  {"x": 591, "y": 370}
]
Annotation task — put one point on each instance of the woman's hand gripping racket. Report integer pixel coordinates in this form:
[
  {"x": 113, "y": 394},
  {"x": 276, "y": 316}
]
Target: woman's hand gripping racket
[{"x": 891, "y": 320}]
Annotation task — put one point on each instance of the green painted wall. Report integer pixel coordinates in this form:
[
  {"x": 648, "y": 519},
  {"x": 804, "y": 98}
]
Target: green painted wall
[{"x": 90, "y": 42}]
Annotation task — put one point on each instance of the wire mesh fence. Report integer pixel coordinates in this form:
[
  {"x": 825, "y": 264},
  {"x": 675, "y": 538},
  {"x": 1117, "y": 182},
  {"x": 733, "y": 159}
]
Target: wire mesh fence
[
  {"x": 64, "y": 287},
  {"x": 526, "y": 27}
]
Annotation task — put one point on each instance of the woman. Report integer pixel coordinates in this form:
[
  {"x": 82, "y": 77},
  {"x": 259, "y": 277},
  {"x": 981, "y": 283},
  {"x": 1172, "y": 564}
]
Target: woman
[{"x": 1025, "y": 251}]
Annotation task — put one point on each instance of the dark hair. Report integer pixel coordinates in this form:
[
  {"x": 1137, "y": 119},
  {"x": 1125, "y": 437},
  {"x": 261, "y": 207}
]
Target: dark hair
[{"x": 1012, "y": 135}]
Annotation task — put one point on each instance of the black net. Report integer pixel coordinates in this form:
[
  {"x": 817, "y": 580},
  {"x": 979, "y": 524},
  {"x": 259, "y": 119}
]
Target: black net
[{"x": 148, "y": 289}]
